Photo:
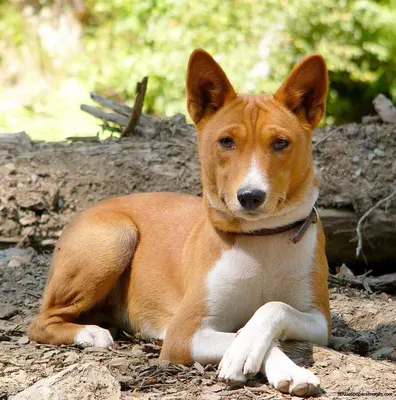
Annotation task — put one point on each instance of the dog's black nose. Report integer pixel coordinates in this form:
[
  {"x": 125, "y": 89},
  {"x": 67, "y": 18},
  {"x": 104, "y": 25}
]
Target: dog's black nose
[{"x": 250, "y": 199}]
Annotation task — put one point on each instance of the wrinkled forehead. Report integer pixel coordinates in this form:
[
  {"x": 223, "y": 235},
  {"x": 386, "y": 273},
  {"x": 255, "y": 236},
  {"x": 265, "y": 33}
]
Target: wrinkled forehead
[{"x": 252, "y": 113}]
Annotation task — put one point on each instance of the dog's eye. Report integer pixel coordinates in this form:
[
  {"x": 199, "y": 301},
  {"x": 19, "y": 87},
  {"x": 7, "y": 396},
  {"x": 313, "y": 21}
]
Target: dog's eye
[
  {"x": 280, "y": 144},
  {"x": 227, "y": 143}
]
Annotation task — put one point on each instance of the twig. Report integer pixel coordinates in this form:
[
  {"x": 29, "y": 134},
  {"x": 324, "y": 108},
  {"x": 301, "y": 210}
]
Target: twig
[
  {"x": 117, "y": 118},
  {"x": 137, "y": 108},
  {"x": 326, "y": 137},
  {"x": 359, "y": 247},
  {"x": 83, "y": 139},
  {"x": 383, "y": 282}
]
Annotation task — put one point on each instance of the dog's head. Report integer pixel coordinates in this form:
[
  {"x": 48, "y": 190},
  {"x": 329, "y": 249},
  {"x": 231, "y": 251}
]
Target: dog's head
[{"x": 255, "y": 150}]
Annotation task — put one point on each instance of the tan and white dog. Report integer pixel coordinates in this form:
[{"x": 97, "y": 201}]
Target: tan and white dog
[{"x": 246, "y": 258}]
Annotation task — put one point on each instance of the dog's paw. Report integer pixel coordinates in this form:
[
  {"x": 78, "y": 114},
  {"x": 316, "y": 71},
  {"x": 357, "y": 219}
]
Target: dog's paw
[
  {"x": 244, "y": 357},
  {"x": 298, "y": 381},
  {"x": 92, "y": 335}
]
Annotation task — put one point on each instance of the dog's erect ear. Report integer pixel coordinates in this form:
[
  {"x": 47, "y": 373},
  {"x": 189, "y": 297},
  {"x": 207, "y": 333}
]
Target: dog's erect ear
[
  {"x": 208, "y": 87},
  {"x": 305, "y": 89}
]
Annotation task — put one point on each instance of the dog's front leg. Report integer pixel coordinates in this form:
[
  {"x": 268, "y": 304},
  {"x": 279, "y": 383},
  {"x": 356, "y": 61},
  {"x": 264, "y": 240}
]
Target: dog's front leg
[{"x": 272, "y": 321}]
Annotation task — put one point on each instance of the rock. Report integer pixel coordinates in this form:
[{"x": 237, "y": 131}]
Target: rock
[
  {"x": 9, "y": 168},
  {"x": 14, "y": 263},
  {"x": 23, "y": 340},
  {"x": 71, "y": 358},
  {"x": 371, "y": 156},
  {"x": 379, "y": 153},
  {"x": 6, "y": 255},
  {"x": 199, "y": 367},
  {"x": 79, "y": 381},
  {"x": 385, "y": 109},
  {"x": 15, "y": 143},
  {"x": 369, "y": 144},
  {"x": 7, "y": 311}
]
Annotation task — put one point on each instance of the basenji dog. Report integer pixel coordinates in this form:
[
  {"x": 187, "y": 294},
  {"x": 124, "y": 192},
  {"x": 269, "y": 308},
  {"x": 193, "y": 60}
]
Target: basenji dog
[{"x": 222, "y": 278}]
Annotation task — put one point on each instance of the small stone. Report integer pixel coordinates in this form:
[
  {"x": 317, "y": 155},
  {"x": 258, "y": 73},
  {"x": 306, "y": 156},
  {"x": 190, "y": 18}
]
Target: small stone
[
  {"x": 10, "y": 168},
  {"x": 72, "y": 358},
  {"x": 356, "y": 159},
  {"x": 350, "y": 368},
  {"x": 26, "y": 221},
  {"x": 7, "y": 311},
  {"x": 371, "y": 156},
  {"x": 383, "y": 296},
  {"x": 23, "y": 340},
  {"x": 33, "y": 178},
  {"x": 379, "y": 153},
  {"x": 14, "y": 263},
  {"x": 199, "y": 367},
  {"x": 369, "y": 144},
  {"x": 117, "y": 362},
  {"x": 358, "y": 172}
]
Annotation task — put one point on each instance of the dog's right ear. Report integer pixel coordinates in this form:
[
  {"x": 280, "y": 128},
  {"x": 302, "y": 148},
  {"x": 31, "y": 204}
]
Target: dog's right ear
[{"x": 208, "y": 87}]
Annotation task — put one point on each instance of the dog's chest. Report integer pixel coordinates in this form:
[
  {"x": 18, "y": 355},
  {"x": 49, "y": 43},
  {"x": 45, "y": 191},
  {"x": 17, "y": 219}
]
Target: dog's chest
[{"x": 255, "y": 271}]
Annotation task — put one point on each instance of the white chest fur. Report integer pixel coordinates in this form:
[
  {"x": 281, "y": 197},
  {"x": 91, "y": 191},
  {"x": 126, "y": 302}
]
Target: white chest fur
[{"x": 258, "y": 270}]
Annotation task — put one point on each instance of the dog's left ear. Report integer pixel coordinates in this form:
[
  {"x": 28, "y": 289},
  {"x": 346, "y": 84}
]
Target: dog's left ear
[
  {"x": 304, "y": 90},
  {"x": 208, "y": 87}
]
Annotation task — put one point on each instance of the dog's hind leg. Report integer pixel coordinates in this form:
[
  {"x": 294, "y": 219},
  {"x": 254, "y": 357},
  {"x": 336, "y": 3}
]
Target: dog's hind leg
[{"x": 89, "y": 258}]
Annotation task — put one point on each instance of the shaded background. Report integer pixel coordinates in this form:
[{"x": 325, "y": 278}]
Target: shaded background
[{"x": 54, "y": 52}]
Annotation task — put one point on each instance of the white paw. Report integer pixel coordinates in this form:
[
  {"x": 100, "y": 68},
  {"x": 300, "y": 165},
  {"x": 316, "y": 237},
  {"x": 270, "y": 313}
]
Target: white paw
[
  {"x": 244, "y": 357},
  {"x": 92, "y": 335},
  {"x": 298, "y": 381}
]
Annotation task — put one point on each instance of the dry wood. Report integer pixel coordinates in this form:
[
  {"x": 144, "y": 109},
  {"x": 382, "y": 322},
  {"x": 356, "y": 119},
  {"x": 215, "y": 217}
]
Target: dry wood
[
  {"x": 122, "y": 109},
  {"x": 117, "y": 118},
  {"x": 137, "y": 108},
  {"x": 384, "y": 282},
  {"x": 83, "y": 139},
  {"x": 359, "y": 247}
]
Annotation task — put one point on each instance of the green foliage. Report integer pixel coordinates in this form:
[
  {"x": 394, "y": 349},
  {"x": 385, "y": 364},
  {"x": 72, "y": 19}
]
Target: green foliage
[{"x": 256, "y": 41}]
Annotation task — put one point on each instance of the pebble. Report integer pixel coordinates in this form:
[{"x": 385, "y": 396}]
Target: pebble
[
  {"x": 7, "y": 311},
  {"x": 369, "y": 144},
  {"x": 33, "y": 178},
  {"x": 23, "y": 340},
  {"x": 71, "y": 358},
  {"x": 14, "y": 263},
  {"x": 350, "y": 368},
  {"x": 356, "y": 159},
  {"x": 371, "y": 156},
  {"x": 358, "y": 172},
  {"x": 379, "y": 153}
]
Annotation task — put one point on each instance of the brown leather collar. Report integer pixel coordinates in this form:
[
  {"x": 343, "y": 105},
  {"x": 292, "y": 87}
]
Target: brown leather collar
[{"x": 302, "y": 223}]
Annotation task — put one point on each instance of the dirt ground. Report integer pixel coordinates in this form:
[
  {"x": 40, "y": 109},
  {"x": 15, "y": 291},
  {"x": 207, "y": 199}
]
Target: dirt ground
[
  {"x": 364, "y": 334},
  {"x": 43, "y": 186}
]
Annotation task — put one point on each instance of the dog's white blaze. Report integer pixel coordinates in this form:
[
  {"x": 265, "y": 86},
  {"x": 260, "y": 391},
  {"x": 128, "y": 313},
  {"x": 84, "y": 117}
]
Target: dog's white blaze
[
  {"x": 254, "y": 178},
  {"x": 258, "y": 270}
]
